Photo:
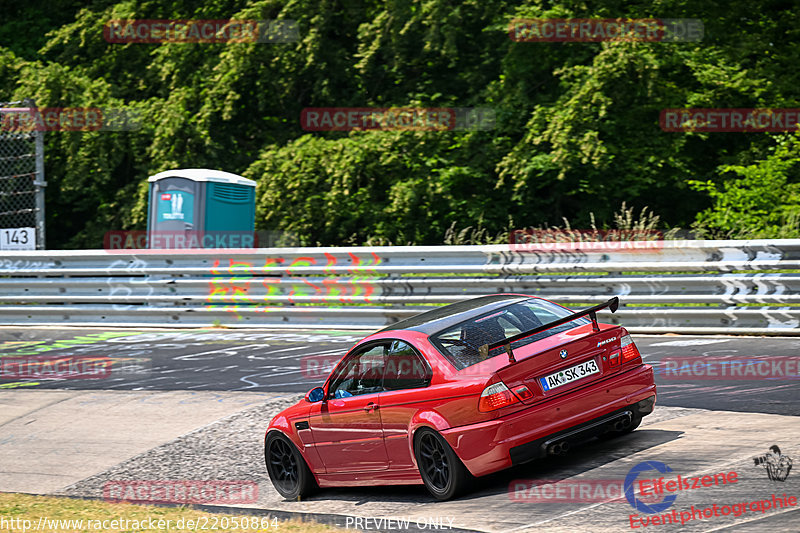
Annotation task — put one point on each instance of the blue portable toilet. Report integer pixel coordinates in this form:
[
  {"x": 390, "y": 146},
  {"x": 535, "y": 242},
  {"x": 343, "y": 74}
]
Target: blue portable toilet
[{"x": 201, "y": 208}]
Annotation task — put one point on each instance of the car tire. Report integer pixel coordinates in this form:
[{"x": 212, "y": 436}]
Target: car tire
[
  {"x": 443, "y": 473},
  {"x": 287, "y": 469}
]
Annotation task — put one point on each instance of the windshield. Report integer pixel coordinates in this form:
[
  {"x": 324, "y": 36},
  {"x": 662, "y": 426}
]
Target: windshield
[{"x": 460, "y": 343}]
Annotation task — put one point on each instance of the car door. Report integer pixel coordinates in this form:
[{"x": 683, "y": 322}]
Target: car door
[
  {"x": 347, "y": 427},
  {"x": 406, "y": 378}
]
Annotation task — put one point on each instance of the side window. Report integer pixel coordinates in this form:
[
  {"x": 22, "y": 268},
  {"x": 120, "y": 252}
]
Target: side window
[
  {"x": 405, "y": 368},
  {"x": 361, "y": 373}
]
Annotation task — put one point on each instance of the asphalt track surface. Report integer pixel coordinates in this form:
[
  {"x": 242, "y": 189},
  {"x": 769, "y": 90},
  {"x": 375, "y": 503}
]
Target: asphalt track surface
[
  {"x": 193, "y": 404},
  {"x": 296, "y": 361}
]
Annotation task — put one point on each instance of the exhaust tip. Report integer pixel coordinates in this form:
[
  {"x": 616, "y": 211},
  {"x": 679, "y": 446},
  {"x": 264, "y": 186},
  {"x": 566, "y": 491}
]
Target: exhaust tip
[{"x": 558, "y": 448}]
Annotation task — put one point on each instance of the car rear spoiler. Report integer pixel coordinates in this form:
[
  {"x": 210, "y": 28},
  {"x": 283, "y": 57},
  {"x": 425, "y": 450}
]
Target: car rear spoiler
[{"x": 611, "y": 304}]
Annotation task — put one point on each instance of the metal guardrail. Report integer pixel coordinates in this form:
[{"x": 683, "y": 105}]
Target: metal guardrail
[{"x": 664, "y": 286}]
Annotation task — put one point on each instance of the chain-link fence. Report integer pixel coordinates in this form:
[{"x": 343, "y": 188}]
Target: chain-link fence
[{"x": 21, "y": 179}]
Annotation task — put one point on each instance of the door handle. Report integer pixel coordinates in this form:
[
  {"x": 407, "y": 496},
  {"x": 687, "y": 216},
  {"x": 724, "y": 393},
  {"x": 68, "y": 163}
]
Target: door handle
[{"x": 371, "y": 406}]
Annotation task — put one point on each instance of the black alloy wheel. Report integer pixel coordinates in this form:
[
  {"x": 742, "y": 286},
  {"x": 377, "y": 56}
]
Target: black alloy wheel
[
  {"x": 443, "y": 473},
  {"x": 287, "y": 470}
]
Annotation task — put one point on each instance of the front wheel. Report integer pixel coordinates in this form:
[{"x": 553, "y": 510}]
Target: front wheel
[
  {"x": 443, "y": 473},
  {"x": 287, "y": 469}
]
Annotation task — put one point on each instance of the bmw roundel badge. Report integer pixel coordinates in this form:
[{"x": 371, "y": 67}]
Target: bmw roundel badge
[{"x": 563, "y": 354}]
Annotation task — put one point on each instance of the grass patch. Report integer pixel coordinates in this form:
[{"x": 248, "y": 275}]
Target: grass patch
[{"x": 51, "y": 513}]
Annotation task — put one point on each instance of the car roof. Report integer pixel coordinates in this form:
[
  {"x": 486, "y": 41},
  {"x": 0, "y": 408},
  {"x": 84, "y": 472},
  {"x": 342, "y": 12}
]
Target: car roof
[{"x": 441, "y": 318}]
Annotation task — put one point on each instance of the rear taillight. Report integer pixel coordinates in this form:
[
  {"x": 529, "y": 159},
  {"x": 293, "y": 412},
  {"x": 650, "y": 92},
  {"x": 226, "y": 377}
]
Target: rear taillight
[
  {"x": 496, "y": 396},
  {"x": 523, "y": 392},
  {"x": 629, "y": 349}
]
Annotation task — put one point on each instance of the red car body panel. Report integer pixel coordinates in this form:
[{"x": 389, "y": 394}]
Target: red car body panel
[
  {"x": 369, "y": 439},
  {"x": 485, "y": 448}
]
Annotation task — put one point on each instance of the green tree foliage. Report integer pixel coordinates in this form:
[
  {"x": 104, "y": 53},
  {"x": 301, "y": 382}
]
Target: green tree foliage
[
  {"x": 761, "y": 200},
  {"x": 576, "y": 131},
  {"x": 391, "y": 187}
]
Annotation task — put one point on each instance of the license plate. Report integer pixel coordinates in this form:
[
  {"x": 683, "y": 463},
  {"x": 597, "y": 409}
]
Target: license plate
[{"x": 568, "y": 375}]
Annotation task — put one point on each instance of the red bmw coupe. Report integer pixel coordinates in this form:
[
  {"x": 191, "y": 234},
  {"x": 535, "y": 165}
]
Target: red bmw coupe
[{"x": 458, "y": 392}]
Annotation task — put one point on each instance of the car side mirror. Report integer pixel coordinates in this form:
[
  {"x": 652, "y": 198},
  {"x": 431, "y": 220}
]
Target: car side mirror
[{"x": 315, "y": 395}]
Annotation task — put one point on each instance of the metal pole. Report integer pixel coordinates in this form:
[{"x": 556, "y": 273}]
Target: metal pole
[{"x": 39, "y": 183}]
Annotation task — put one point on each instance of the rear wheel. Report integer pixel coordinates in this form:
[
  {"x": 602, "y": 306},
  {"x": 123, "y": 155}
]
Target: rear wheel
[
  {"x": 443, "y": 473},
  {"x": 287, "y": 469}
]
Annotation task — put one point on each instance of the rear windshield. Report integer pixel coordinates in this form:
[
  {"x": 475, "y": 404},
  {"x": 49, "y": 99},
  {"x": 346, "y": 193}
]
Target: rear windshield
[{"x": 460, "y": 343}]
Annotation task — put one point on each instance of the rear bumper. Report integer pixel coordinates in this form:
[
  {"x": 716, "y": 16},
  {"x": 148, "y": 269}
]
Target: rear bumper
[{"x": 522, "y": 436}]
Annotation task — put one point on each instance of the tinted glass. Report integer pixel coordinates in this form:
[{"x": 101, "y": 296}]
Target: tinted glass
[
  {"x": 405, "y": 368},
  {"x": 361, "y": 373},
  {"x": 461, "y": 343}
]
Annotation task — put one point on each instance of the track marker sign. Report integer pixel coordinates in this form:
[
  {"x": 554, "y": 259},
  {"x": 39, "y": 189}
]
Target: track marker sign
[{"x": 17, "y": 238}]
